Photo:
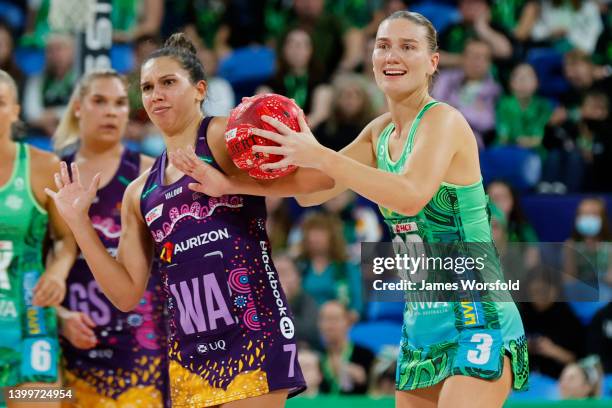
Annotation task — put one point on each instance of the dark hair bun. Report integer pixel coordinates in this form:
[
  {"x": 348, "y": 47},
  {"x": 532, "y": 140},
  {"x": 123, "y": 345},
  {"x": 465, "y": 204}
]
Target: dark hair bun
[{"x": 180, "y": 41}]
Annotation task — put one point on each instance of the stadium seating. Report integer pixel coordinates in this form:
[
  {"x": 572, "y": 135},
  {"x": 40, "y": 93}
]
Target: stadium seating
[
  {"x": 516, "y": 165},
  {"x": 375, "y": 335}
]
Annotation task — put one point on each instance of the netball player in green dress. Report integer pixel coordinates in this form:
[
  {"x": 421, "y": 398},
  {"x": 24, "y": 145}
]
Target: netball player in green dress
[{"x": 30, "y": 283}]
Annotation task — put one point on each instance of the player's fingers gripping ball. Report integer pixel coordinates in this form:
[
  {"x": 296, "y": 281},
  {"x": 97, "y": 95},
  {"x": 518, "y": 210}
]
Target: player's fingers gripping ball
[{"x": 240, "y": 139}]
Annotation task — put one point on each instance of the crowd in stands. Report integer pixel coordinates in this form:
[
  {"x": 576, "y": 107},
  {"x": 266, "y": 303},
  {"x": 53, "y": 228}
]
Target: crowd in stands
[{"x": 530, "y": 76}]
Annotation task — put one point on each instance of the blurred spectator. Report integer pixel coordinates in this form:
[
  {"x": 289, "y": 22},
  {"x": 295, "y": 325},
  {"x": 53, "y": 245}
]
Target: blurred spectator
[
  {"x": 513, "y": 257},
  {"x": 580, "y": 73},
  {"x": 351, "y": 111},
  {"x": 360, "y": 223},
  {"x": 568, "y": 24},
  {"x": 382, "y": 381},
  {"x": 519, "y": 230},
  {"x": 583, "y": 379},
  {"x": 299, "y": 76},
  {"x": 242, "y": 25},
  {"x": 303, "y": 307},
  {"x": 136, "y": 18},
  {"x": 603, "y": 50},
  {"x": 335, "y": 43},
  {"x": 198, "y": 19},
  {"x": 278, "y": 223},
  {"x": 516, "y": 17},
  {"x": 522, "y": 116},
  {"x": 323, "y": 261},
  {"x": 555, "y": 335},
  {"x": 345, "y": 365},
  {"x": 7, "y": 58},
  {"x": 37, "y": 26},
  {"x": 130, "y": 19},
  {"x": 139, "y": 126},
  {"x": 364, "y": 15},
  {"x": 311, "y": 369},
  {"x": 220, "y": 99},
  {"x": 472, "y": 89},
  {"x": 375, "y": 94},
  {"x": 599, "y": 338},
  {"x": 587, "y": 257},
  {"x": 475, "y": 24},
  {"x": 46, "y": 95},
  {"x": 580, "y": 154}
]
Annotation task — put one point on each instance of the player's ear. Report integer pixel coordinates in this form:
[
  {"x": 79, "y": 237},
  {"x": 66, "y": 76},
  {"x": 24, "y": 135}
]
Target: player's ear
[{"x": 201, "y": 88}]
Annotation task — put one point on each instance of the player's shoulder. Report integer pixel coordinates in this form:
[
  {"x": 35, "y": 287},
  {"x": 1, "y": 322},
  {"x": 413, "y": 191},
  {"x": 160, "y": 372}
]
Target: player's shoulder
[
  {"x": 376, "y": 126},
  {"x": 218, "y": 124},
  {"x": 139, "y": 182},
  {"x": 42, "y": 160},
  {"x": 443, "y": 114},
  {"x": 145, "y": 163},
  {"x": 442, "y": 118},
  {"x": 134, "y": 190}
]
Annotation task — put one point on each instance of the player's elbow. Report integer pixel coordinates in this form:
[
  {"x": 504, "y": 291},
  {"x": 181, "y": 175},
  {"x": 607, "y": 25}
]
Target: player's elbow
[
  {"x": 409, "y": 210},
  {"x": 308, "y": 185},
  {"x": 307, "y": 201},
  {"x": 413, "y": 206}
]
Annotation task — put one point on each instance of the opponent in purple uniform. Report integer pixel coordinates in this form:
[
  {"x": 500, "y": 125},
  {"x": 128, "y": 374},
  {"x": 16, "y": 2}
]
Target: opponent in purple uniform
[
  {"x": 231, "y": 333},
  {"x": 111, "y": 358}
]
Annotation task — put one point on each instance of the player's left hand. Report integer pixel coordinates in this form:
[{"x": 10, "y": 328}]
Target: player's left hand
[
  {"x": 210, "y": 181},
  {"x": 299, "y": 148},
  {"x": 49, "y": 291}
]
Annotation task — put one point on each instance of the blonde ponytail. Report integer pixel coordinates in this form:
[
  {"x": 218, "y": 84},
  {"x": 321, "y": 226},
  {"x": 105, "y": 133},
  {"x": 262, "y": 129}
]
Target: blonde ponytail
[{"x": 67, "y": 132}]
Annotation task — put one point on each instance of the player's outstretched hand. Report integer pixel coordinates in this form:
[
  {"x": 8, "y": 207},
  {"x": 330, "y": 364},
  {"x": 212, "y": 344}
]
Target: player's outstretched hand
[
  {"x": 210, "y": 181},
  {"x": 299, "y": 148},
  {"x": 72, "y": 199}
]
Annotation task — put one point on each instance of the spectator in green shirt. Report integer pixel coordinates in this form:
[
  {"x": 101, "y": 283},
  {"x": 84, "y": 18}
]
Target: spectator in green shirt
[
  {"x": 336, "y": 44},
  {"x": 522, "y": 116},
  {"x": 475, "y": 23}
]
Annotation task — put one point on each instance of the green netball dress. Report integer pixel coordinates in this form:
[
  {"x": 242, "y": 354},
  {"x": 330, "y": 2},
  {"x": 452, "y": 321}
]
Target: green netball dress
[
  {"x": 28, "y": 340},
  {"x": 440, "y": 339}
]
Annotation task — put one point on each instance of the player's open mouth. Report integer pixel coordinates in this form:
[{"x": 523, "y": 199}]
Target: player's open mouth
[{"x": 393, "y": 72}]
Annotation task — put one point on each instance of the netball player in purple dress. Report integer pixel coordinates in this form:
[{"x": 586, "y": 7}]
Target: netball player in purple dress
[
  {"x": 231, "y": 334},
  {"x": 111, "y": 358}
]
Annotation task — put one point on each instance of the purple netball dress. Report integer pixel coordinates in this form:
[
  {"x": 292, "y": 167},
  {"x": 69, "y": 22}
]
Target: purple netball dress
[
  {"x": 129, "y": 362},
  {"x": 231, "y": 334}
]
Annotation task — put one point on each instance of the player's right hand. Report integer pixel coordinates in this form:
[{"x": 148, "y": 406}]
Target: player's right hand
[
  {"x": 210, "y": 181},
  {"x": 77, "y": 327},
  {"x": 72, "y": 199}
]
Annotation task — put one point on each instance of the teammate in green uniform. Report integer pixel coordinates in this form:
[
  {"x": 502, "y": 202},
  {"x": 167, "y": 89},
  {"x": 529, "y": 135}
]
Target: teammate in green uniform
[
  {"x": 419, "y": 162},
  {"x": 28, "y": 289}
]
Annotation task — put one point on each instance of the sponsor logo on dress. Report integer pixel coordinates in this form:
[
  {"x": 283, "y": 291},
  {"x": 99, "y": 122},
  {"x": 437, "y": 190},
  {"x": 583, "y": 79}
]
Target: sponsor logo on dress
[
  {"x": 469, "y": 312},
  {"x": 154, "y": 214},
  {"x": 204, "y": 348},
  {"x": 173, "y": 193},
  {"x": 405, "y": 227},
  {"x": 169, "y": 249},
  {"x": 286, "y": 325}
]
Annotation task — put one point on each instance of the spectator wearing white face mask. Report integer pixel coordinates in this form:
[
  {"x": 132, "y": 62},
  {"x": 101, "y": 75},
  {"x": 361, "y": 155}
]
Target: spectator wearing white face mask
[{"x": 589, "y": 259}]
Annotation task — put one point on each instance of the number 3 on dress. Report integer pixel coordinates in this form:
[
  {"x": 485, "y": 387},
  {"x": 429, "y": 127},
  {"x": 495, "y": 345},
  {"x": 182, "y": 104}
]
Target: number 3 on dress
[{"x": 483, "y": 349}]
